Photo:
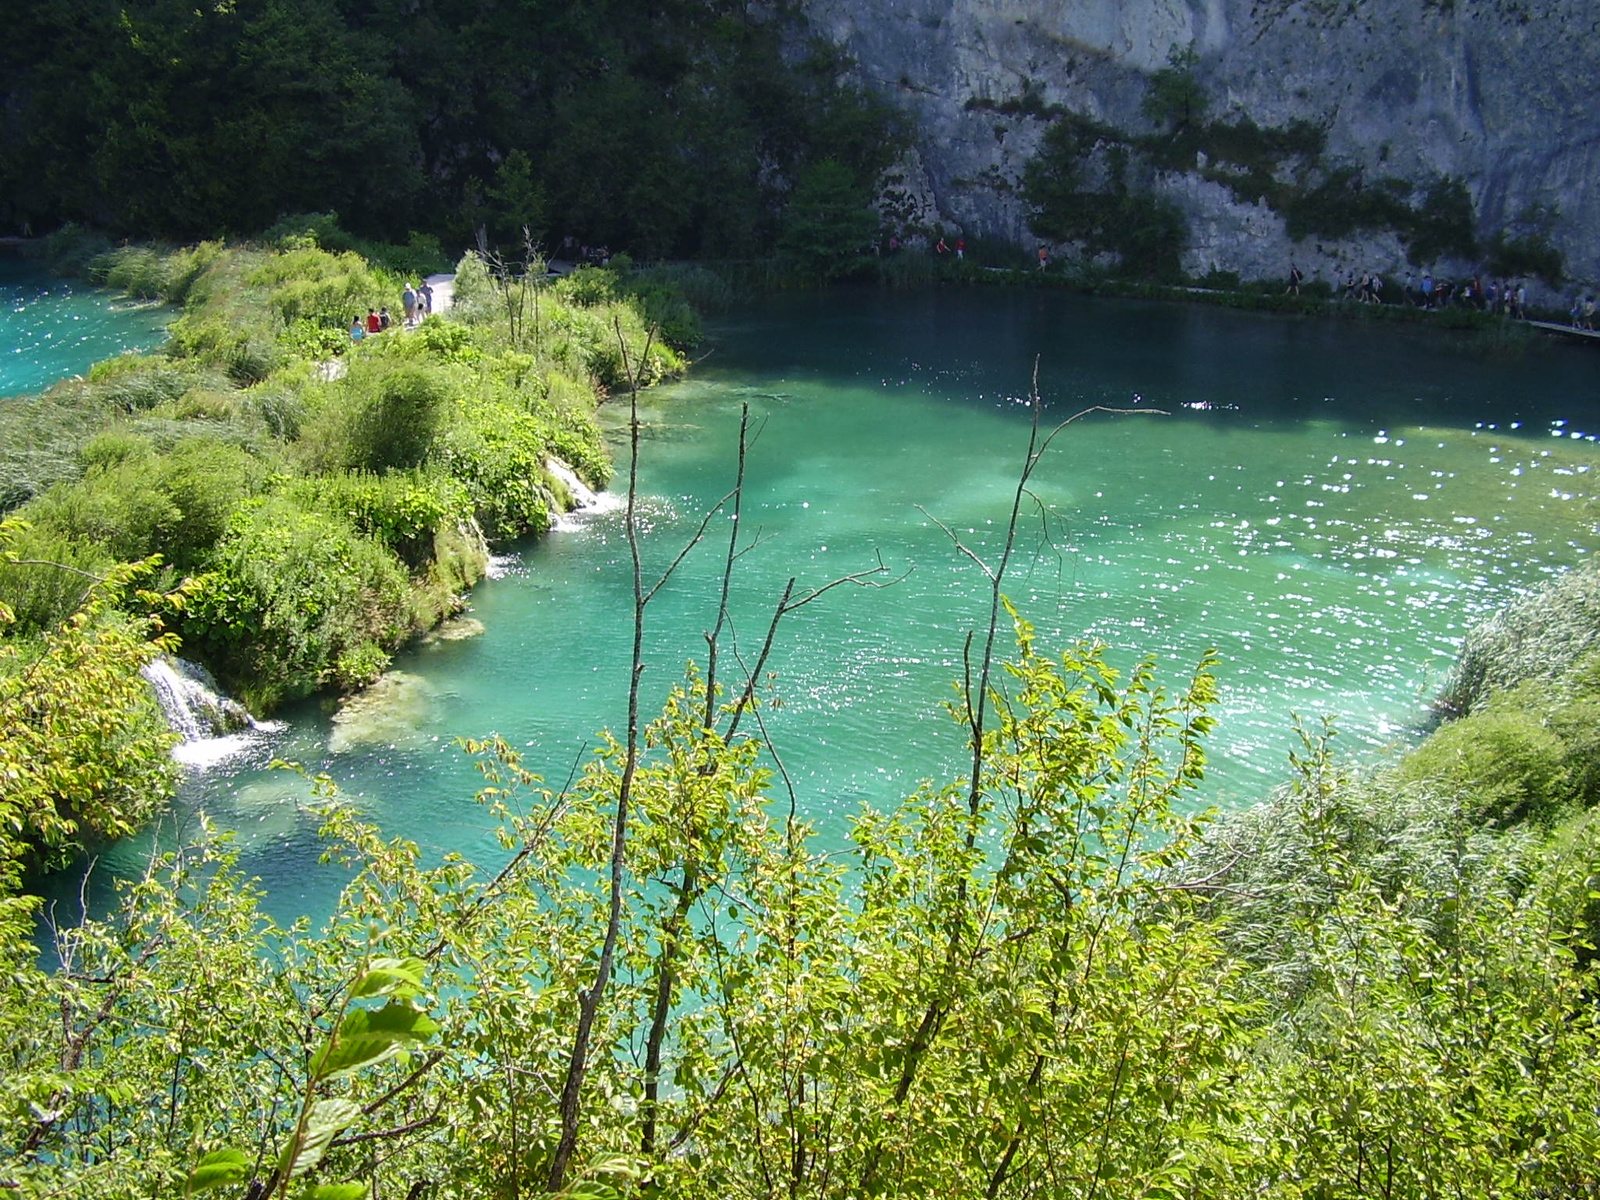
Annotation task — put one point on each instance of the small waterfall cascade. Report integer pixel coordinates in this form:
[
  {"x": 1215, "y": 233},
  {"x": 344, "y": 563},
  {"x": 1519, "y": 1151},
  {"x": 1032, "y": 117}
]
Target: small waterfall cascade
[
  {"x": 584, "y": 498},
  {"x": 194, "y": 704}
]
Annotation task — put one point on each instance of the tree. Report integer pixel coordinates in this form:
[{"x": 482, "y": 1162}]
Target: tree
[{"x": 829, "y": 223}]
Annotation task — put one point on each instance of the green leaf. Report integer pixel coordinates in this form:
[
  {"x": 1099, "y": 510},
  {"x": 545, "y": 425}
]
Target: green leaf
[
  {"x": 217, "y": 1168},
  {"x": 327, "y": 1120},
  {"x": 390, "y": 976},
  {"x": 353, "y": 1190},
  {"x": 367, "y": 1036}
]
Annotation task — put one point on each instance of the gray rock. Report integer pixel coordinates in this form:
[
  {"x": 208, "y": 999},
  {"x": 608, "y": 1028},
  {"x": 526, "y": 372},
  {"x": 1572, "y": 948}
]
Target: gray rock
[{"x": 1498, "y": 93}]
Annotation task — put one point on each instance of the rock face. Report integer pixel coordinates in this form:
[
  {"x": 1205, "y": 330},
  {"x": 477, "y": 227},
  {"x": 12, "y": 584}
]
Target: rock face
[{"x": 1501, "y": 94}]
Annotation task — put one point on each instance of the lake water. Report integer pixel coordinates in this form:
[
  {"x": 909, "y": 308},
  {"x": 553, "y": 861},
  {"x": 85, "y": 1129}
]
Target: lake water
[
  {"x": 1328, "y": 504},
  {"x": 52, "y": 328}
]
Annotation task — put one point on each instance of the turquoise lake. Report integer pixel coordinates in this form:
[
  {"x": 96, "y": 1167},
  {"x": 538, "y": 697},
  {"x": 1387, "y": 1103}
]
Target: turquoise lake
[
  {"x": 1328, "y": 504},
  {"x": 52, "y": 328}
]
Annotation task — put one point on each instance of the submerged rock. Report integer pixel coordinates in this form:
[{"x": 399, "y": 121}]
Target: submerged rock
[{"x": 389, "y": 713}]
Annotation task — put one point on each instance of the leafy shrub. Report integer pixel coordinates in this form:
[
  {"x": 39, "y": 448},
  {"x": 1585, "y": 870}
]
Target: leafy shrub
[
  {"x": 1442, "y": 225},
  {"x": 73, "y": 247},
  {"x": 589, "y": 286},
  {"x": 83, "y": 744},
  {"x": 49, "y": 576},
  {"x": 473, "y": 294},
  {"x": 498, "y": 450},
  {"x": 1509, "y": 762},
  {"x": 1538, "y": 637},
  {"x": 325, "y": 289},
  {"x": 1532, "y": 254},
  {"x": 404, "y": 510},
  {"x": 134, "y": 503},
  {"x": 138, "y": 270},
  {"x": 289, "y": 592},
  {"x": 392, "y": 412}
]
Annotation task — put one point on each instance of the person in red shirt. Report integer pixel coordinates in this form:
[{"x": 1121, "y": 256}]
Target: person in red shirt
[{"x": 374, "y": 322}]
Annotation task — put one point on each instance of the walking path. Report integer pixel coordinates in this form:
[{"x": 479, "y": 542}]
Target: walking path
[
  {"x": 1567, "y": 330},
  {"x": 444, "y": 294}
]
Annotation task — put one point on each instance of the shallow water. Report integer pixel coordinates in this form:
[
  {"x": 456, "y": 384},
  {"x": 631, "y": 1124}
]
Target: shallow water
[
  {"x": 53, "y": 328},
  {"x": 1329, "y": 505}
]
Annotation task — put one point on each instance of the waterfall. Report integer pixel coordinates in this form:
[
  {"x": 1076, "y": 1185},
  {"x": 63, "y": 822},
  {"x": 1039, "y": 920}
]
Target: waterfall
[
  {"x": 210, "y": 722},
  {"x": 584, "y": 499}
]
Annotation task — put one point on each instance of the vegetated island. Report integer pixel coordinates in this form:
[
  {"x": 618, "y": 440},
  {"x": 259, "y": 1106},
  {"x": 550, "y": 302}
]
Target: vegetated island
[
  {"x": 1034, "y": 980},
  {"x": 288, "y": 504}
]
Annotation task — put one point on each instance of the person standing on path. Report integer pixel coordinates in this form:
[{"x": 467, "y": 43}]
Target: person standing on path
[
  {"x": 427, "y": 298},
  {"x": 1044, "y": 258},
  {"x": 408, "y": 300}
]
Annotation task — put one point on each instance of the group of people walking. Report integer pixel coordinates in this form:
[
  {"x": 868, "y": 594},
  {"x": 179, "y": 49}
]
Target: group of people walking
[
  {"x": 1498, "y": 296},
  {"x": 417, "y": 300}
]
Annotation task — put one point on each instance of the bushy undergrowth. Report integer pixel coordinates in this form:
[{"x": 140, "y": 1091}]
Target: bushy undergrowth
[
  {"x": 1539, "y": 637},
  {"x": 294, "y": 600}
]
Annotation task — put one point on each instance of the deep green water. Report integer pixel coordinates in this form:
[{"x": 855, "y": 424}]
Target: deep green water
[
  {"x": 1330, "y": 505},
  {"x": 52, "y": 328}
]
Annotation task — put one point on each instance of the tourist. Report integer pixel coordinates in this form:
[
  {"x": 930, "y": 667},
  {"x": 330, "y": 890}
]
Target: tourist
[
  {"x": 374, "y": 322},
  {"x": 1519, "y": 302},
  {"x": 1375, "y": 289},
  {"x": 1427, "y": 290},
  {"x": 941, "y": 249},
  {"x": 1295, "y": 279},
  {"x": 384, "y": 319},
  {"x": 1588, "y": 313},
  {"x": 427, "y": 298},
  {"x": 1044, "y": 258},
  {"x": 408, "y": 301},
  {"x": 357, "y": 329},
  {"x": 961, "y": 248}
]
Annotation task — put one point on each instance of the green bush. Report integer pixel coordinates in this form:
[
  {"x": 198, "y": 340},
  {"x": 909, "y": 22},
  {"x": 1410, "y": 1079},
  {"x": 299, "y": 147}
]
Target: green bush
[
  {"x": 403, "y": 510},
  {"x": 1528, "y": 254},
  {"x": 52, "y": 579},
  {"x": 135, "y": 503},
  {"x": 289, "y": 593},
  {"x": 1538, "y": 637},
  {"x": 138, "y": 270},
  {"x": 498, "y": 451},
  {"x": 589, "y": 286},
  {"x": 1510, "y": 763},
  {"x": 392, "y": 413},
  {"x": 83, "y": 743}
]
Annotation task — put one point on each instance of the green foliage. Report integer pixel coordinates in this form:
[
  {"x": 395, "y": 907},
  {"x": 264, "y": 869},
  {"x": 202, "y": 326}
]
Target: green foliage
[
  {"x": 83, "y": 745},
  {"x": 133, "y": 503},
  {"x": 288, "y": 592},
  {"x": 47, "y": 576},
  {"x": 1442, "y": 226},
  {"x": 1175, "y": 97},
  {"x": 1541, "y": 636},
  {"x": 829, "y": 225},
  {"x": 403, "y": 510},
  {"x": 1509, "y": 762},
  {"x": 1145, "y": 233},
  {"x": 385, "y": 415},
  {"x": 1512, "y": 255}
]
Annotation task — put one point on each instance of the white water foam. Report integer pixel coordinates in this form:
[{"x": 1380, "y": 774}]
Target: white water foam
[
  {"x": 587, "y": 503},
  {"x": 214, "y": 727}
]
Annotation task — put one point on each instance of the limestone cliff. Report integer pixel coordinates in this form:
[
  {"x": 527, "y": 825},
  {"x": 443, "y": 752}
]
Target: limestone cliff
[{"x": 1501, "y": 94}]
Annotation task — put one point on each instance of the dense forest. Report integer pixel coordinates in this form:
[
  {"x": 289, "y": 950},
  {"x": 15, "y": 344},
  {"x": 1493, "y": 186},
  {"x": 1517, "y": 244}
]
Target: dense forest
[{"x": 663, "y": 129}]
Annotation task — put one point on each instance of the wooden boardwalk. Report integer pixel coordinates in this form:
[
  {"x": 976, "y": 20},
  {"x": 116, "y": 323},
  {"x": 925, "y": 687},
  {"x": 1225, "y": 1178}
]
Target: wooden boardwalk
[{"x": 1582, "y": 335}]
